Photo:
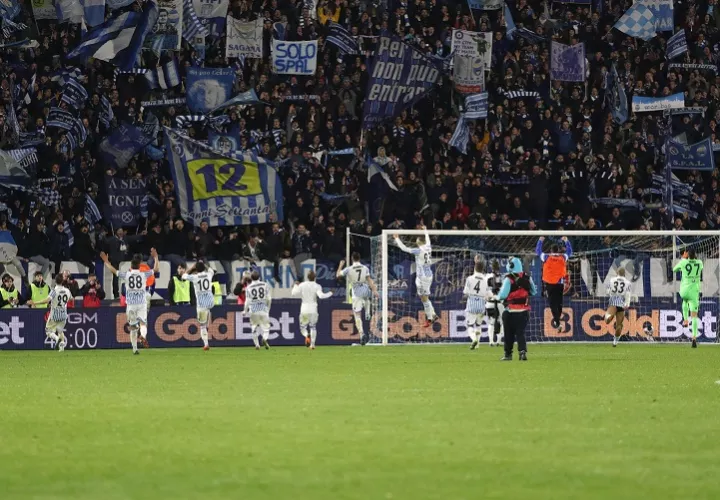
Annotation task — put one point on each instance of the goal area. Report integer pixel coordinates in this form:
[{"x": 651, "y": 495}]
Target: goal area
[{"x": 397, "y": 315}]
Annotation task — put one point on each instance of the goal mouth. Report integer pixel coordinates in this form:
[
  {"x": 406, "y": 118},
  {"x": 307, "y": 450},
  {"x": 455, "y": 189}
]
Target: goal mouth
[{"x": 646, "y": 258}]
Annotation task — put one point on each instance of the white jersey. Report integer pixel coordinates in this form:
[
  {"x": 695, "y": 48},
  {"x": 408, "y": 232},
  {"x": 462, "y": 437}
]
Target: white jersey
[
  {"x": 309, "y": 292},
  {"x": 477, "y": 289},
  {"x": 423, "y": 258},
  {"x": 202, "y": 283},
  {"x": 357, "y": 276},
  {"x": 257, "y": 297},
  {"x": 135, "y": 293},
  {"x": 619, "y": 290},
  {"x": 59, "y": 298}
]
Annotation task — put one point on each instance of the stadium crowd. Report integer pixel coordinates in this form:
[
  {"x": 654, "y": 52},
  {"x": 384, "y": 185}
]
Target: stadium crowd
[{"x": 535, "y": 162}]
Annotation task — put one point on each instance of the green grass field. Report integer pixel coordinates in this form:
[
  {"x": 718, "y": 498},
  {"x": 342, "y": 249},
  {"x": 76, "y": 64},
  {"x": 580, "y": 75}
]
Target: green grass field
[{"x": 575, "y": 422}]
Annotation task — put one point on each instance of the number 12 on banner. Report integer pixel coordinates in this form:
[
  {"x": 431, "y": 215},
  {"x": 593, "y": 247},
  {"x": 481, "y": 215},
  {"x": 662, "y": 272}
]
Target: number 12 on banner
[{"x": 212, "y": 178}]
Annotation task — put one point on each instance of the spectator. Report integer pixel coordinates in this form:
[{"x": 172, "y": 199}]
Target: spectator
[
  {"x": 38, "y": 246},
  {"x": 177, "y": 245},
  {"x": 277, "y": 246},
  {"x": 302, "y": 248},
  {"x": 10, "y": 296},
  {"x": 39, "y": 290},
  {"x": 83, "y": 249},
  {"x": 92, "y": 292},
  {"x": 59, "y": 246},
  {"x": 333, "y": 247},
  {"x": 180, "y": 292}
]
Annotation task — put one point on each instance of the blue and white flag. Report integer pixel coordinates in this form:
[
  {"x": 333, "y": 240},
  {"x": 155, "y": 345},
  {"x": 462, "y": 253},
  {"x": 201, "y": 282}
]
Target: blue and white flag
[
  {"x": 60, "y": 118},
  {"x": 105, "y": 115},
  {"x": 11, "y": 173},
  {"x": 461, "y": 137},
  {"x": 166, "y": 34},
  {"x": 698, "y": 156},
  {"x": 235, "y": 190},
  {"x": 212, "y": 14},
  {"x": 69, "y": 10},
  {"x": 509, "y": 23},
  {"x": 118, "y": 4},
  {"x": 92, "y": 213},
  {"x": 519, "y": 94},
  {"x": 617, "y": 97},
  {"x": 400, "y": 75},
  {"x": 567, "y": 62},
  {"x": 26, "y": 157},
  {"x": 223, "y": 143},
  {"x": 529, "y": 35},
  {"x": 9, "y": 27},
  {"x": 192, "y": 27},
  {"x": 692, "y": 67},
  {"x": 9, "y": 9},
  {"x": 242, "y": 99},
  {"x": 676, "y": 45},
  {"x": 476, "y": 106},
  {"x": 119, "y": 40},
  {"x": 208, "y": 88},
  {"x": 650, "y": 104},
  {"x": 94, "y": 12},
  {"x": 65, "y": 75},
  {"x": 244, "y": 38},
  {"x": 74, "y": 94},
  {"x": 664, "y": 14},
  {"x": 165, "y": 77},
  {"x": 342, "y": 39},
  {"x": 182, "y": 121},
  {"x": 294, "y": 58},
  {"x": 485, "y": 4},
  {"x": 638, "y": 22},
  {"x": 117, "y": 149}
]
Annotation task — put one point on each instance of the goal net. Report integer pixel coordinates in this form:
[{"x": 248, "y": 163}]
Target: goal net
[{"x": 647, "y": 257}]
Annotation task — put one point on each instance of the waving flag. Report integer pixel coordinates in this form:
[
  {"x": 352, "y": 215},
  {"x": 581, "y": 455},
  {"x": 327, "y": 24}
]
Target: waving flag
[
  {"x": 119, "y": 40},
  {"x": 94, "y": 11},
  {"x": 461, "y": 137},
  {"x": 165, "y": 77},
  {"x": 617, "y": 97},
  {"x": 342, "y": 39},
  {"x": 476, "y": 106},
  {"x": 106, "y": 112},
  {"x": 567, "y": 62},
  {"x": 638, "y": 22},
  {"x": 676, "y": 45}
]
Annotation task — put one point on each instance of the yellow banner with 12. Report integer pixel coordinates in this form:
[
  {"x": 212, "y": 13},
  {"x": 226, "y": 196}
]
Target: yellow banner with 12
[{"x": 215, "y": 177}]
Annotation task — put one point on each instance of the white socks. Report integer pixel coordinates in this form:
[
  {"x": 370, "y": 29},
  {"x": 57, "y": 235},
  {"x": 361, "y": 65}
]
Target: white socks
[
  {"x": 429, "y": 310},
  {"x": 52, "y": 335},
  {"x": 255, "y": 336},
  {"x": 359, "y": 323},
  {"x": 313, "y": 336},
  {"x": 133, "y": 338},
  {"x": 143, "y": 331},
  {"x": 204, "y": 335},
  {"x": 472, "y": 334}
]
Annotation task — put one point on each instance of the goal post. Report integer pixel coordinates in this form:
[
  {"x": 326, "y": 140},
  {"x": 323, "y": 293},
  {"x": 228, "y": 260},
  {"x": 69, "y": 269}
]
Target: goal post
[{"x": 647, "y": 257}]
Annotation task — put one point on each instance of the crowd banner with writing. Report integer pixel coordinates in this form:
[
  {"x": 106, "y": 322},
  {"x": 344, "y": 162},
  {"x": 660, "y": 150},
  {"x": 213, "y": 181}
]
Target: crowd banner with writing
[
  {"x": 664, "y": 13},
  {"x": 485, "y": 4},
  {"x": 125, "y": 199},
  {"x": 208, "y": 88},
  {"x": 476, "y": 106},
  {"x": 400, "y": 75},
  {"x": 698, "y": 156},
  {"x": 294, "y": 58},
  {"x": 649, "y": 104},
  {"x": 676, "y": 45},
  {"x": 567, "y": 62},
  {"x": 244, "y": 38},
  {"x": 212, "y": 15},
  {"x": 234, "y": 190},
  {"x": 167, "y": 32},
  {"x": 473, "y": 45},
  {"x": 44, "y": 9},
  {"x": 118, "y": 148}
]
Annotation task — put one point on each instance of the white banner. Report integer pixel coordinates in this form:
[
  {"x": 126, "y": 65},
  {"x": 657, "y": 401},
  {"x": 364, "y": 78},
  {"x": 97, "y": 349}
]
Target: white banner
[
  {"x": 44, "y": 9},
  {"x": 472, "y": 56},
  {"x": 642, "y": 104},
  {"x": 294, "y": 58},
  {"x": 244, "y": 38}
]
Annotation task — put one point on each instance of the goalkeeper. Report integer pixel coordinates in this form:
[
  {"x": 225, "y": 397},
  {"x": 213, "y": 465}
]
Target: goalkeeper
[
  {"x": 691, "y": 268},
  {"x": 555, "y": 276}
]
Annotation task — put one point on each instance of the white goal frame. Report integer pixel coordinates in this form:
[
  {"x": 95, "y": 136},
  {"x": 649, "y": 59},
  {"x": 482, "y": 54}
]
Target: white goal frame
[{"x": 389, "y": 233}]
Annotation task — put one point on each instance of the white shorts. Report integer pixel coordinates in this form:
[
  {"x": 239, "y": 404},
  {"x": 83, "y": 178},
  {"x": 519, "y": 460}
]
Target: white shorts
[
  {"x": 54, "y": 326},
  {"x": 423, "y": 286},
  {"x": 308, "y": 319},
  {"x": 260, "y": 319},
  {"x": 473, "y": 318},
  {"x": 359, "y": 303},
  {"x": 203, "y": 315},
  {"x": 137, "y": 314}
]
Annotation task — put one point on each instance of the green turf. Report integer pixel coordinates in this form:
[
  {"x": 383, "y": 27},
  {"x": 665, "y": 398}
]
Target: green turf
[{"x": 575, "y": 422}]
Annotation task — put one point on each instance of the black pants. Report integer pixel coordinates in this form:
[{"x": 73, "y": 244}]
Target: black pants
[
  {"x": 515, "y": 323},
  {"x": 555, "y": 297}
]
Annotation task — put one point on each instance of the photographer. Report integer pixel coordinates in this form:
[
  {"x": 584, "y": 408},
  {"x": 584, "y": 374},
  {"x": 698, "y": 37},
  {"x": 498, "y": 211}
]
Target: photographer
[{"x": 92, "y": 292}]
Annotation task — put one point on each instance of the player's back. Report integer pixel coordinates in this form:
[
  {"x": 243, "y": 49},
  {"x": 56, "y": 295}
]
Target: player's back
[
  {"x": 619, "y": 285},
  {"x": 135, "y": 294},
  {"x": 204, "y": 288},
  {"x": 477, "y": 289},
  {"x": 59, "y": 298},
  {"x": 691, "y": 270},
  {"x": 309, "y": 293},
  {"x": 423, "y": 261},
  {"x": 357, "y": 276},
  {"x": 257, "y": 295}
]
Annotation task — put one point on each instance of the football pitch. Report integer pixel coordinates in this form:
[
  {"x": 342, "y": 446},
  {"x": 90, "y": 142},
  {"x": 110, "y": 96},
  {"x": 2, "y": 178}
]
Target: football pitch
[{"x": 574, "y": 422}]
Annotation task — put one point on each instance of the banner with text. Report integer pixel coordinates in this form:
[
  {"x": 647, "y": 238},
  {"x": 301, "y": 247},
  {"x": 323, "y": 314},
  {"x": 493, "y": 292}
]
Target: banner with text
[
  {"x": 649, "y": 104},
  {"x": 212, "y": 15},
  {"x": 244, "y": 38},
  {"x": 125, "y": 199},
  {"x": 208, "y": 88},
  {"x": 698, "y": 156},
  {"x": 294, "y": 58}
]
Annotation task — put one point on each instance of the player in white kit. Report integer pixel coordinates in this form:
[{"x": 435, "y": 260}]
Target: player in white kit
[
  {"x": 477, "y": 290},
  {"x": 619, "y": 291},
  {"x": 201, "y": 278},
  {"x": 257, "y": 304},
  {"x": 58, "y": 298},
  {"x": 310, "y": 292},
  {"x": 363, "y": 287},
  {"x": 136, "y": 296},
  {"x": 423, "y": 273}
]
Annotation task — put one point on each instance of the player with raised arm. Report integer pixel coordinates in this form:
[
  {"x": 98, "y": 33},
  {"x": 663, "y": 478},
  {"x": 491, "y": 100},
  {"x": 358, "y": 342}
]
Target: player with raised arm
[
  {"x": 58, "y": 299},
  {"x": 135, "y": 293},
  {"x": 691, "y": 268},
  {"x": 494, "y": 307},
  {"x": 554, "y": 275},
  {"x": 257, "y": 304},
  {"x": 201, "y": 278},
  {"x": 363, "y": 287},
  {"x": 423, "y": 273},
  {"x": 309, "y": 292},
  {"x": 477, "y": 291},
  {"x": 619, "y": 290}
]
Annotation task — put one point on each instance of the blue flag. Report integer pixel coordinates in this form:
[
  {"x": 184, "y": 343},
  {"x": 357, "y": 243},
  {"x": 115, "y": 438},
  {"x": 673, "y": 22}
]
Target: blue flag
[
  {"x": 509, "y": 23},
  {"x": 638, "y": 22},
  {"x": 461, "y": 136},
  {"x": 233, "y": 190},
  {"x": 567, "y": 63},
  {"x": 74, "y": 94},
  {"x": 476, "y": 106},
  {"x": 676, "y": 45},
  {"x": 617, "y": 97},
  {"x": 245, "y": 98},
  {"x": 208, "y": 88},
  {"x": 118, "y": 148},
  {"x": 342, "y": 39},
  {"x": 92, "y": 213},
  {"x": 400, "y": 76},
  {"x": 698, "y": 156},
  {"x": 125, "y": 200},
  {"x": 60, "y": 118}
]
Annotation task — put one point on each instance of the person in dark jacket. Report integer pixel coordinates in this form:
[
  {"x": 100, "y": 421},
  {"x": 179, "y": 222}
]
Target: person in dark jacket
[
  {"x": 333, "y": 247},
  {"x": 38, "y": 247},
  {"x": 177, "y": 245},
  {"x": 301, "y": 248},
  {"x": 277, "y": 247},
  {"x": 204, "y": 242},
  {"x": 59, "y": 246},
  {"x": 118, "y": 250},
  {"x": 228, "y": 250},
  {"x": 92, "y": 293},
  {"x": 83, "y": 249}
]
